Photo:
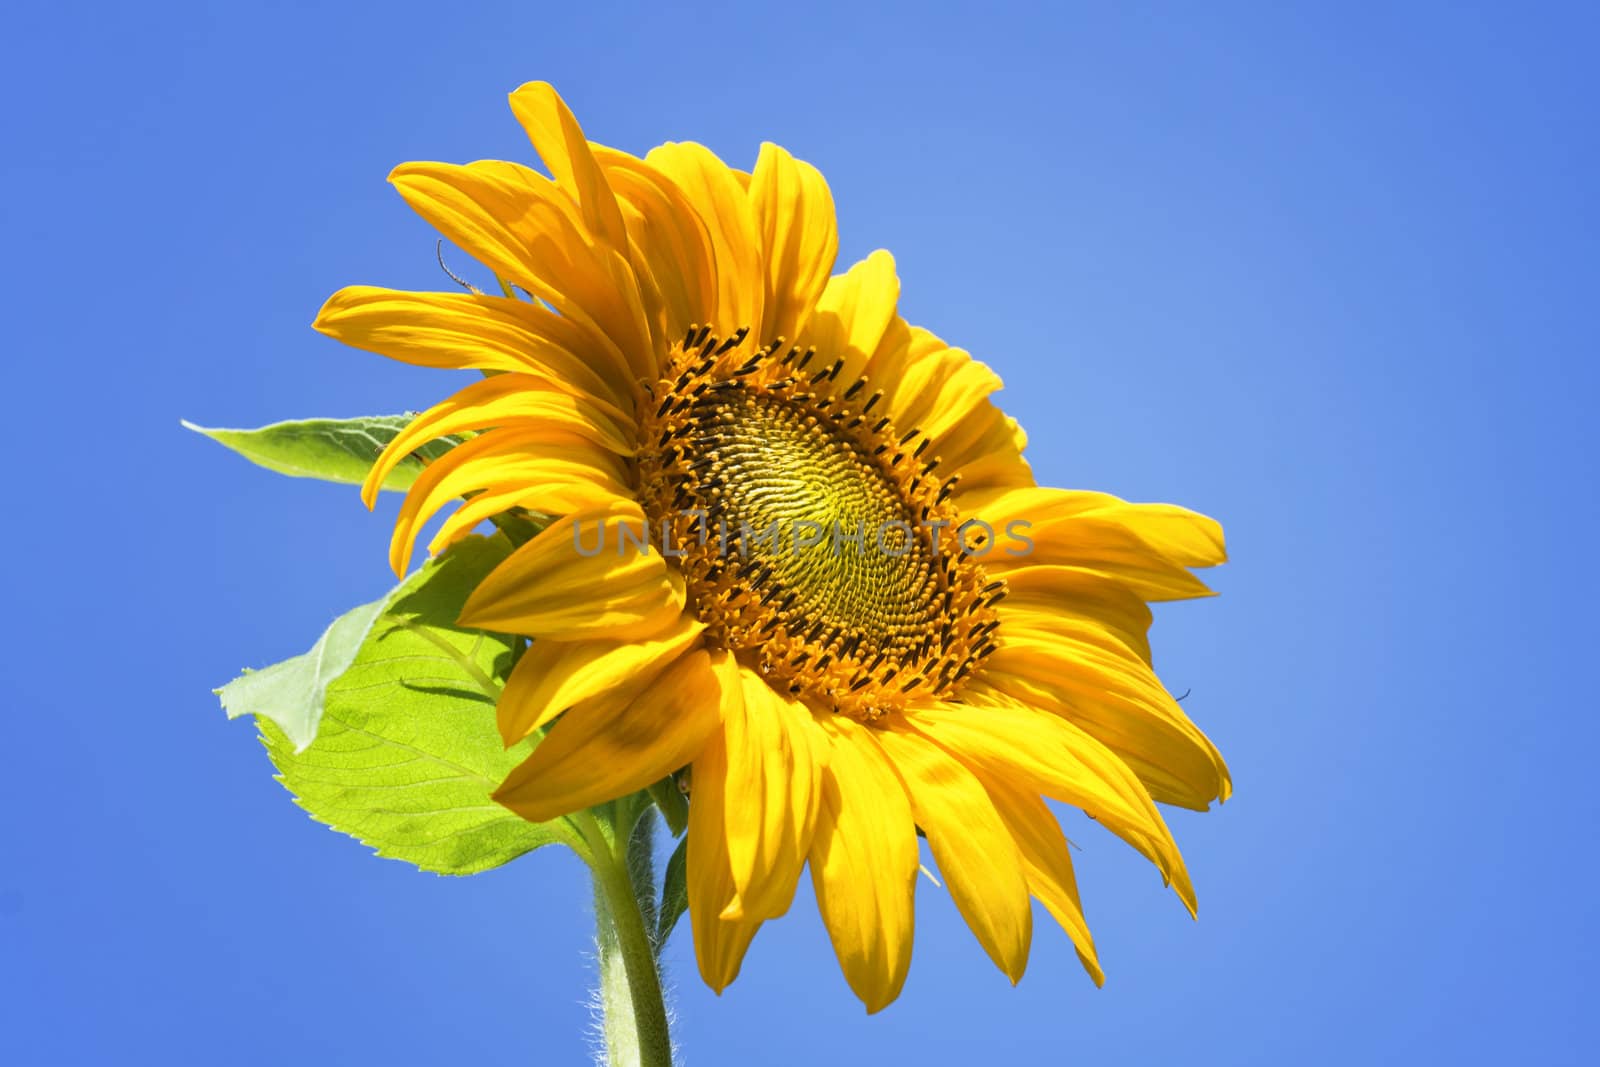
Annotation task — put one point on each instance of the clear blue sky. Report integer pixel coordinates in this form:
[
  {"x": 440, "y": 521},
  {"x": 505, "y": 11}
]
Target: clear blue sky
[{"x": 1329, "y": 275}]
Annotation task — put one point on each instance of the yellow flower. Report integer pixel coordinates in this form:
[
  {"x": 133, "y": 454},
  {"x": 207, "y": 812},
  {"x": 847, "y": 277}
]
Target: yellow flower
[{"x": 675, "y": 363}]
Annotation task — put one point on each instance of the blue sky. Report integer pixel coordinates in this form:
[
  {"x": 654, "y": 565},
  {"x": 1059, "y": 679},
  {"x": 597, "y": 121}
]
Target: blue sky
[{"x": 1325, "y": 272}]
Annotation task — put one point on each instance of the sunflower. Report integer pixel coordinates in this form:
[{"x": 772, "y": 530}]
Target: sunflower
[{"x": 676, "y": 372}]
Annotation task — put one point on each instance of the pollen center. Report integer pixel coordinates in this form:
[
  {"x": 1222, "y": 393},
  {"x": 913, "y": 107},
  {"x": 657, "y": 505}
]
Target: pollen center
[
  {"x": 815, "y": 540},
  {"x": 811, "y": 511}
]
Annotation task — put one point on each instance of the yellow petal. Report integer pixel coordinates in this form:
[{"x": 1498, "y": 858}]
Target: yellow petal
[
  {"x": 852, "y": 317},
  {"x": 671, "y": 245},
  {"x": 1048, "y": 865},
  {"x": 1147, "y": 547},
  {"x": 478, "y": 332},
  {"x": 1183, "y": 536},
  {"x": 1178, "y": 535},
  {"x": 597, "y": 754},
  {"x": 970, "y": 842},
  {"x": 516, "y": 401},
  {"x": 795, "y": 217},
  {"x": 553, "y": 676},
  {"x": 560, "y": 484},
  {"x": 515, "y": 222},
  {"x": 775, "y": 760},
  {"x": 1038, "y": 595},
  {"x": 1037, "y": 503},
  {"x": 864, "y": 863},
  {"x": 721, "y": 203},
  {"x": 986, "y": 447},
  {"x": 719, "y": 943},
  {"x": 559, "y": 141},
  {"x": 580, "y": 576},
  {"x": 901, "y": 347},
  {"x": 1052, "y": 756},
  {"x": 571, "y": 474},
  {"x": 940, "y": 390},
  {"x": 1081, "y": 673}
]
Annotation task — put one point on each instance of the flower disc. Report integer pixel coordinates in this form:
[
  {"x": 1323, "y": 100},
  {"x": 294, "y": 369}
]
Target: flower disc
[{"x": 817, "y": 540}]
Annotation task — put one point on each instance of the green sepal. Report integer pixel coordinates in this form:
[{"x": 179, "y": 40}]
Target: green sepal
[
  {"x": 674, "y": 892},
  {"x": 642, "y": 865},
  {"x": 333, "y": 450},
  {"x": 520, "y": 525},
  {"x": 674, "y": 808}
]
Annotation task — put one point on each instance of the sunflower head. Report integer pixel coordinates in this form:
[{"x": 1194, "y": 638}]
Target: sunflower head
[{"x": 825, "y": 579}]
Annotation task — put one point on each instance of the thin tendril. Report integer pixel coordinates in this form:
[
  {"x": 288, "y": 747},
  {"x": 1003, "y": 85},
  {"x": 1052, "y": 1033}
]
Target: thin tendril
[{"x": 438, "y": 250}]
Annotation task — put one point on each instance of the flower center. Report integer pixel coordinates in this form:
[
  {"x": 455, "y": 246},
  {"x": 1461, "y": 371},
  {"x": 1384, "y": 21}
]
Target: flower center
[{"x": 817, "y": 543}]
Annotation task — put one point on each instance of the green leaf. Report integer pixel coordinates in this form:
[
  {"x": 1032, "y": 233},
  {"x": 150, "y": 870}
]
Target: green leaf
[
  {"x": 674, "y": 893},
  {"x": 408, "y": 750},
  {"x": 334, "y": 450},
  {"x": 291, "y": 694}
]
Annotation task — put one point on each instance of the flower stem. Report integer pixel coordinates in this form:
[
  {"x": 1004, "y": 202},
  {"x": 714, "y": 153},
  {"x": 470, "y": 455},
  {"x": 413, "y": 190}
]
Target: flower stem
[{"x": 635, "y": 1023}]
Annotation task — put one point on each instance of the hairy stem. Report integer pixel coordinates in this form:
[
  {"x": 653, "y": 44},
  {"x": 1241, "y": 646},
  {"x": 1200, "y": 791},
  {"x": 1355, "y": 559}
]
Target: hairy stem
[{"x": 635, "y": 1023}]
